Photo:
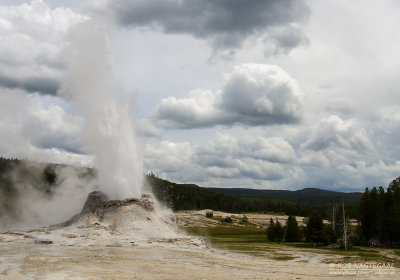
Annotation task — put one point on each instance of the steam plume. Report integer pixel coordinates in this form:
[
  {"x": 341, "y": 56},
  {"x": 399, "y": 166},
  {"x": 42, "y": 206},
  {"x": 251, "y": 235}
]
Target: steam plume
[{"x": 109, "y": 131}]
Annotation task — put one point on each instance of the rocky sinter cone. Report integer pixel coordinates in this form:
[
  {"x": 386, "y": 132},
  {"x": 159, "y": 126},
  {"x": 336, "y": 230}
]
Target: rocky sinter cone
[
  {"x": 98, "y": 200},
  {"x": 98, "y": 205},
  {"x": 94, "y": 200},
  {"x": 130, "y": 217},
  {"x": 104, "y": 222}
]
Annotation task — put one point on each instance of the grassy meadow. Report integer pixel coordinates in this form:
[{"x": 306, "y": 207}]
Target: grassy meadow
[{"x": 252, "y": 240}]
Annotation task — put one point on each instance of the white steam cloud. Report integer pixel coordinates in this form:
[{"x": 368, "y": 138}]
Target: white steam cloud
[
  {"x": 109, "y": 131},
  {"x": 35, "y": 202}
]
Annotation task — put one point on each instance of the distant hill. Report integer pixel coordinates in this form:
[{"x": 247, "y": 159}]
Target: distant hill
[
  {"x": 190, "y": 196},
  {"x": 307, "y": 196}
]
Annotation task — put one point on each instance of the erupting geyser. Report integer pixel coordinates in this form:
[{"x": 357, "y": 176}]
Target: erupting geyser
[
  {"x": 119, "y": 210},
  {"x": 108, "y": 129}
]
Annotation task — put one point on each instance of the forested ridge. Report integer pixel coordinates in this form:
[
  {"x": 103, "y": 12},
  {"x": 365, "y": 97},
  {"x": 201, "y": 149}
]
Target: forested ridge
[
  {"x": 307, "y": 196},
  {"x": 193, "y": 197}
]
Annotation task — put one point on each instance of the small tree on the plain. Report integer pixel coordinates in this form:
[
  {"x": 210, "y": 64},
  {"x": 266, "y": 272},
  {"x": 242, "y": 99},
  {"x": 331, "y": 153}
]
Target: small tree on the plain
[
  {"x": 314, "y": 227},
  {"x": 269, "y": 230},
  {"x": 275, "y": 231},
  {"x": 292, "y": 230},
  {"x": 228, "y": 220},
  {"x": 244, "y": 220}
]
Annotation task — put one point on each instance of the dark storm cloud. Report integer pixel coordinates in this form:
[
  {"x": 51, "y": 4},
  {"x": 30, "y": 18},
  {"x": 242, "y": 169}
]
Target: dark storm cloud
[
  {"x": 226, "y": 23},
  {"x": 31, "y": 84}
]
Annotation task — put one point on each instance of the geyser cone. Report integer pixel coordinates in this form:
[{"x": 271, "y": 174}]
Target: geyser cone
[
  {"x": 103, "y": 222},
  {"x": 130, "y": 218},
  {"x": 93, "y": 201}
]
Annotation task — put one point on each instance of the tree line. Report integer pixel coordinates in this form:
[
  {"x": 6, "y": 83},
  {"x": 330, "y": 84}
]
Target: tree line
[
  {"x": 380, "y": 215},
  {"x": 378, "y": 222},
  {"x": 192, "y": 197},
  {"x": 314, "y": 231}
]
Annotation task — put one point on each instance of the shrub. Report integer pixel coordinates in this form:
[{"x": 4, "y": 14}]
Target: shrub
[
  {"x": 329, "y": 235},
  {"x": 244, "y": 220},
  {"x": 274, "y": 231},
  {"x": 209, "y": 214},
  {"x": 228, "y": 220}
]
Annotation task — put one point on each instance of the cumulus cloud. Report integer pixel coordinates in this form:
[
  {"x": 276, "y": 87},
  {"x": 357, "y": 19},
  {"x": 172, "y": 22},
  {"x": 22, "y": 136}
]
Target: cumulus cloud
[
  {"x": 33, "y": 130},
  {"x": 169, "y": 156},
  {"x": 336, "y": 133},
  {"x": 273, "y": 149},
  {"x": 257, "y": 94},
  {"x": 342, "y": 153},
  {"x": 173, "y": 161},
  {"x": 224, "y": 157},
  {"x": 254, "y": 157},
  {"x": 198, "y": 109},
  {"x": 52, "y": 127},
  {"x": 282, "y": 39},
  {"x": 252, "y": 95},
  {"x": 147, "y": 129},
  {"x": 385, "y": 130},
  {"x": 225, "y": 24},
  {"x": 338, "y": 154},
  {"x": 249, "y": 168},
  {"x": 31, "y": 45},
  {"x": 341, "y": 106}
]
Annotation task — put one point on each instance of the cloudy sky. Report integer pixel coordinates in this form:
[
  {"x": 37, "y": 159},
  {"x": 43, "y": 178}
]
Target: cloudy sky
[{"x": 232, "y": 93}]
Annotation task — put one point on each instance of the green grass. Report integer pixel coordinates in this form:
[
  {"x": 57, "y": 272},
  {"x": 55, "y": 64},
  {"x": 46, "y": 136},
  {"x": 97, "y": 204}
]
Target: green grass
[
  {"x": 226, "y": 229},
  {"x": 362, "y": 253},
  {"x": 248, "y": 240},
  {"x": 232, "y": 234},
  {"x": 397, "y": 252},
  {"x": 254, "y": 241}
]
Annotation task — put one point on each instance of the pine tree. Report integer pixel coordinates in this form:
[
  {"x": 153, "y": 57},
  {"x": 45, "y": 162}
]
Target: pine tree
[
  {"x": 380, "y": 215},
  {"x": 314, "y": 227},
  {"x": 292, "y": 230},
  {"x": 274, "y": 231}
]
